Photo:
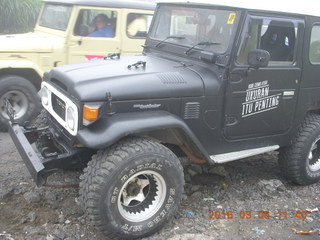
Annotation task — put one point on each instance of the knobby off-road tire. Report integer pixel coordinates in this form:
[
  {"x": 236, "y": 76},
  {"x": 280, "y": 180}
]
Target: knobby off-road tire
[
  {"x": 131, "y": 189},
  {"x": 41, "y": 121},
  {"x": 300, "y": 162},
  {"x": 77, "y": 162},
  {"x": 23, "y": 97}
]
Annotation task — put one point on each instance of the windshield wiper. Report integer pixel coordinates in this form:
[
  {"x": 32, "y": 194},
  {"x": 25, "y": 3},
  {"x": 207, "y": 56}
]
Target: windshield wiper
[
  {"x": 201, "y": 44},
  {"x": 170, "y": 37}
]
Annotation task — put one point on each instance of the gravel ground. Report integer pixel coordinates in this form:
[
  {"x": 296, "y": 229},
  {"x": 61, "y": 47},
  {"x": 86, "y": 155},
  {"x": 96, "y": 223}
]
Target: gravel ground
[{"x": 246, "y": 199}]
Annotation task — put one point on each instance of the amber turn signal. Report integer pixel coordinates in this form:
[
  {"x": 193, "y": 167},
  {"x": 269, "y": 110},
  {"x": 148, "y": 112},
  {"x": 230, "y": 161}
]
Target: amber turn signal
[{"x": 90, "y": 113}]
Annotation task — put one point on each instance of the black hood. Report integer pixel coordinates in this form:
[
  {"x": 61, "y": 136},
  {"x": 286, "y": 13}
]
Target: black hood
[{"x": 160, "y": 78}]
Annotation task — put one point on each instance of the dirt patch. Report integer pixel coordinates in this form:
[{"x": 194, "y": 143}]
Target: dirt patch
[{"x": 246, "y": 199}]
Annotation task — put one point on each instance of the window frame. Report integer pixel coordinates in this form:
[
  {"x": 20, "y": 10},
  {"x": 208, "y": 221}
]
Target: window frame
[
  {"x": 309, "y": 44},
  {"x": 244, "y": 36},
  {"x": 98, "y": 11},
  {"x": 147, "y": 15},
  {"x": 176, "y": 43}
]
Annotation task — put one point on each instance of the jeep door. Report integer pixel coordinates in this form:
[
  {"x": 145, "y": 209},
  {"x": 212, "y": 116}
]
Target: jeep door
[
  {"x": 261, "y": 102},
  {"x": 89, "y": 40}
]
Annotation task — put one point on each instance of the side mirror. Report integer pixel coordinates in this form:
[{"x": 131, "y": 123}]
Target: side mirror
[{"x": 258, "y": 58}]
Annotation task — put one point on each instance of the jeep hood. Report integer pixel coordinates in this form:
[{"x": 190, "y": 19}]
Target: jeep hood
[
  {"x": 160, "y": 78},
  {"x": 27, "y": 42}
]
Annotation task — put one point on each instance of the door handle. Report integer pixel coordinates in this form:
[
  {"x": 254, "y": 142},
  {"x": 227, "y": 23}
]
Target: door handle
[
  {"x": 231, "y": 120},
  {"x": 237, "y": 75},
  {"x": 74, "y": 42}
]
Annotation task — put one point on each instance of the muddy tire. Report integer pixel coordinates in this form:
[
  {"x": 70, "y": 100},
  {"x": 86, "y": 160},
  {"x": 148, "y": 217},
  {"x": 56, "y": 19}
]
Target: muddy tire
[
  {"x": 131, "y": 189},
  {"x": 23, "y": 97},
  {"x": 77, "y": 162},
  {"x": 301, "y": 161},
  {"x": 41, "y": 121}
]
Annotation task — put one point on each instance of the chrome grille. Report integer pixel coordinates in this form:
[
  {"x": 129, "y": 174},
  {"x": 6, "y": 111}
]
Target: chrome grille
[{"x": 59, "y": 106}]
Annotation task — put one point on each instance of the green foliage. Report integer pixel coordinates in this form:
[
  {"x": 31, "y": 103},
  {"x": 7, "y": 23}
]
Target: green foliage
[{"x": 18, "y": 16}]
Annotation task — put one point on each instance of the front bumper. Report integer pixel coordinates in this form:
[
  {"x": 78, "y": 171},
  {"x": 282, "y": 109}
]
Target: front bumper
[
  {"x": 54, "y": 155},
  {"x": 31, "y": 159},
  {"x": 41, "y": 165}
]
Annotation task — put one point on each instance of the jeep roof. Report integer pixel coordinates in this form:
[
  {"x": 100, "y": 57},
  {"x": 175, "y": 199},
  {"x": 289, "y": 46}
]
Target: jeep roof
[
  {"x": 108, "y": 3},
  {"x": 285, "y": 6}
]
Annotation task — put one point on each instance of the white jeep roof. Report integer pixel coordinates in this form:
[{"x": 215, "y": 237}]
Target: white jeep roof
[{"x": 304, "y": 7}]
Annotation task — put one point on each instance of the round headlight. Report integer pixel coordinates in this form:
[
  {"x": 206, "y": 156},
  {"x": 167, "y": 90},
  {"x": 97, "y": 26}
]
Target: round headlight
[
  {"x": 70, "y": 118},
  {"x": 45, "y": 96}
]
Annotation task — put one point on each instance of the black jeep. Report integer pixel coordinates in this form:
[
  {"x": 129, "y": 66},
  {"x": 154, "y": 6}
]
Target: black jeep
[{"x": 215, "y": 83}]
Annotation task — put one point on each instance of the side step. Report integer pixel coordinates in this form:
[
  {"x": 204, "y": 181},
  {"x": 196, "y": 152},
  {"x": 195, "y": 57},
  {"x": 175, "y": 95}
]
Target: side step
[{"x": 228, "y": 157}]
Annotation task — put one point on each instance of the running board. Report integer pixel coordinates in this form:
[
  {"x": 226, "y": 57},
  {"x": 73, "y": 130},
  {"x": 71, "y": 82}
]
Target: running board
[{"x": 228, "y": 157}]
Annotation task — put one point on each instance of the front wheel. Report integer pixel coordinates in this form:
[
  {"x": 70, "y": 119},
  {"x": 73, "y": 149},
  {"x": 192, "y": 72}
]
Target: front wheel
[
  {"x": 300, "y": 162},
  {"x": 22, "y": 96},
  {"x": 132, "y": 189}
]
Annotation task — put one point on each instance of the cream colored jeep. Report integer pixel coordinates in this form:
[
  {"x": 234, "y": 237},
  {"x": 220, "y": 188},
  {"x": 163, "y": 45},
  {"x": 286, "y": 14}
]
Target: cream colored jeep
[{"x": 67, "y": 31}]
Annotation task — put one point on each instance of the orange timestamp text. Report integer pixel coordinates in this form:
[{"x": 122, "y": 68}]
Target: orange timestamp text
[{"x": 252, "y": 214}]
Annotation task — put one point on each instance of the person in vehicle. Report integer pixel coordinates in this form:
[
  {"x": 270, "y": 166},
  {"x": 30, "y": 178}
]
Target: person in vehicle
[{"x": 102, "y": 29}]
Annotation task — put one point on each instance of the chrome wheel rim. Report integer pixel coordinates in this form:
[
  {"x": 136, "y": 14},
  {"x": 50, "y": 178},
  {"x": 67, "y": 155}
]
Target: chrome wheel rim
[
  {"x": 19, "y": 102},
  {"x": 314, "y": 157},
  {"x": 141, "y": 196}
]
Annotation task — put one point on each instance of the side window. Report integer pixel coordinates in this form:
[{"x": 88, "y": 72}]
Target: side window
[
  {"x": 96, "y": 23},
  {"x": 275, "y": 36},
  {"x": 138, "y": 25},
  {"x": 314, "y": 51}
]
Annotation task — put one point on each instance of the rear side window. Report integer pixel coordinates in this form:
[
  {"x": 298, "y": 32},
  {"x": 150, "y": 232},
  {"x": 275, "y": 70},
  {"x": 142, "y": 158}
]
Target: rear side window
[
  {"x": 278, "y": 37},
  {"x": 138, "y": 25},
  {"x": 314, "y": 51}
]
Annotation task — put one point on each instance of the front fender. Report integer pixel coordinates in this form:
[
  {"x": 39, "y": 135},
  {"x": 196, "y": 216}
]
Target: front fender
[
  {"x": 110, "y": 129},
  {"x": 20, "y": 64}
]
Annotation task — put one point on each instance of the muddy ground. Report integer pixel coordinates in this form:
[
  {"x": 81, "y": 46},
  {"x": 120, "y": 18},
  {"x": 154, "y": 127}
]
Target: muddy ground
[{"x": 246, "y": 199}]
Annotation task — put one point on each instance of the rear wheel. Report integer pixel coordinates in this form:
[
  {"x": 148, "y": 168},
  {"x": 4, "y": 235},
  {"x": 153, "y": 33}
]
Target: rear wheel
[
  {"x": 131, "y": 189},
  {"x": 22, "y": 96},
  {"x": 301, "y": 161}
]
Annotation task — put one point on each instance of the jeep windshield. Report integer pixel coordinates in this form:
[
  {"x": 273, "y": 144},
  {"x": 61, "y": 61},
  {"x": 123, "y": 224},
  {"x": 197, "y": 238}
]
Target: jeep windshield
[
  {"x": 192, "y": 27},
  {"x": 55, "y": 16}
]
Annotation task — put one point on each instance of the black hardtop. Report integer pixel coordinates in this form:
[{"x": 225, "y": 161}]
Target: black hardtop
[
  {"x": 108, "y": 3},
  {"x": 248, "y": 6}
]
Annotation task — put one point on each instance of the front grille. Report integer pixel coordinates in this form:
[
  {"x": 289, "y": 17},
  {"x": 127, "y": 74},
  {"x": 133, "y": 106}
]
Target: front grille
[{"x": 59, "y": 106}]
